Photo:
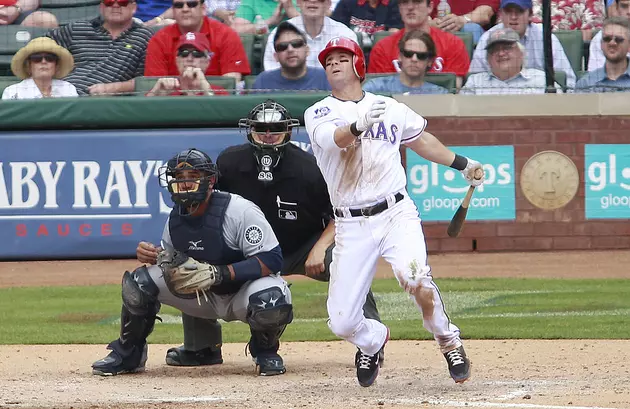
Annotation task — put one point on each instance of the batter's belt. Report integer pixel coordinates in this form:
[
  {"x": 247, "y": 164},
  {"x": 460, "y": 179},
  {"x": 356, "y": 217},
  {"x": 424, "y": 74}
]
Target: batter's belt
[{"x": 370, "y": 210}]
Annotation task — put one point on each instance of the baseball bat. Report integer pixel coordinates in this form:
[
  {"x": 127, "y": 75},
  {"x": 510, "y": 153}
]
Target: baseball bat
[{"x": 457, "y": 222}]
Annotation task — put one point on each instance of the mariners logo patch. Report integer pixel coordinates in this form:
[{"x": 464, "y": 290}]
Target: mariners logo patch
[
  {"x": 321, "y": 112},
  {"x": 253, "y": 235}
]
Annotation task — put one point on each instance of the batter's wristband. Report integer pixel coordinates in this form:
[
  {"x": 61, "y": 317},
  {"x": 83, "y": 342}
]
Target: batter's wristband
[
  {"x": 460, "y": 162},
  {"x": 353, "y": 129}
]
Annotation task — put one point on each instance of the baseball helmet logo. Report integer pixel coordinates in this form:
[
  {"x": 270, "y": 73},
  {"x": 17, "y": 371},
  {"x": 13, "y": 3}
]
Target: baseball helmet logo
[{"x": 348, "y": 45}]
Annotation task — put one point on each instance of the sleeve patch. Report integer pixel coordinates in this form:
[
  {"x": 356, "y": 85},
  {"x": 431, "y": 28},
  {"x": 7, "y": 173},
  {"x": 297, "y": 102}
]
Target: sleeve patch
[{"x": 254, "y": 235}]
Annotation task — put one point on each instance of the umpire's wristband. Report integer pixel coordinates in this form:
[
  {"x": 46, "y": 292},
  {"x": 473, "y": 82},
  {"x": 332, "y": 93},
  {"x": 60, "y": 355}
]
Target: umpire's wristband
[
  {"x": 460, "y": 162},
  {"x": 353, "y": 129}
]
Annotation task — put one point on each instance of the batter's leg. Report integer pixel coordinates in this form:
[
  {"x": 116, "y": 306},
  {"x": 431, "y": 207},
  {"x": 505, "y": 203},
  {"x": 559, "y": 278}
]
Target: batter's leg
[
  {"x": 404, "y": 248},
  {"x": 202, "y": 343}
]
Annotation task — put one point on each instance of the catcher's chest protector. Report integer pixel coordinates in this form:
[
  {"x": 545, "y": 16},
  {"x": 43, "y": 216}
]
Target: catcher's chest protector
[{"x": 205, "y": 242}]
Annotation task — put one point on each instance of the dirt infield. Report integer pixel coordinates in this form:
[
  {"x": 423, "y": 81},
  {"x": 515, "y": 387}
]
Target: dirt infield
[{"x": 506, "y": 374}]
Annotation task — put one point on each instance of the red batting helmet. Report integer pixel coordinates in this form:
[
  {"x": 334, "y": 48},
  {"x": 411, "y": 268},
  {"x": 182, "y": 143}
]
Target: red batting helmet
[{"x": 345, "y": 44}]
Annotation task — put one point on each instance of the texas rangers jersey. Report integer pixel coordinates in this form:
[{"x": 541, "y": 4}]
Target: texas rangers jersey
[{"x": 370, "y": 169}]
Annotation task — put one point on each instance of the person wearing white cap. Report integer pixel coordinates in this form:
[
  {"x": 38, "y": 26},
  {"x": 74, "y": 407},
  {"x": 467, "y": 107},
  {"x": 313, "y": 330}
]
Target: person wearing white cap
[{"x": 40, "y": 64}]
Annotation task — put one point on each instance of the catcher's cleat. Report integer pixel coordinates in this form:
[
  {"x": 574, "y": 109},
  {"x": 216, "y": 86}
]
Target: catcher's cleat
[
  {"x": 179, "y": 356},
  {"x": 117, "y": 363},
  {"x": 458, "y": 364},
  {"x": 269, "y": 365}
]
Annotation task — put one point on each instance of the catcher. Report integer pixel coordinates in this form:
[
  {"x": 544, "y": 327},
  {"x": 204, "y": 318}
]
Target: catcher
[{"x": 219, "y": 259}]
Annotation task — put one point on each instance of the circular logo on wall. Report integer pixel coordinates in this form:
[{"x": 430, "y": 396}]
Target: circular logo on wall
[
  {"x": 266, "y": 160},
  {"x": 549, "y": 180},
  {"x": 253, "y": 235}
]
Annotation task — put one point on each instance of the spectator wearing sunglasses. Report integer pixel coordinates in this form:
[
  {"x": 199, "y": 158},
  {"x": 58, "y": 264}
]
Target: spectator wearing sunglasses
[
  {"x": 416, "y": 53},
  {"x": 108, "y": 51},
  {"x": 193, "y": 58},
  {"x": 596, "y": 57},
  {"x": 318, "y": 29},
  {"x": 615, "y": 74},
  {"x": 40, "y": 64},
  {"x": 291, "y": 52},
  {"x": 450, "y": 52},
  {"x": 507, "y": 75},
  {"x": 228, "y": 54}
]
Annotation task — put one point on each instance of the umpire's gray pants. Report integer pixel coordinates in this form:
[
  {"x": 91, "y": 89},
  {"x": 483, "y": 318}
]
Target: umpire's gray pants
[{"x": 228, "y": 307}]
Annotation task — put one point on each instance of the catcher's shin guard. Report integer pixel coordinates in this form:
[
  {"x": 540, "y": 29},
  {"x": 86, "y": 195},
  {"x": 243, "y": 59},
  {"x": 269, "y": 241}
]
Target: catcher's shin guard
[
  {"x": 268, "y": 314},
  {"x": 137, "y": 319}
]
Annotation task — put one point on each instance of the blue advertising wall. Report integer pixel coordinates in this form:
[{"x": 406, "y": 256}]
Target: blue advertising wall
[
  {"x": 73, "y": 194},
  {"x": 607, "y": 188},
  {"x": 438, "y": 190}
]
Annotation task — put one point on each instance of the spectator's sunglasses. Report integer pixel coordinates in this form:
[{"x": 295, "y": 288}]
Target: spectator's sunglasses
[
  {"x": 283, "y": 46},
  {"x": 185, "y": 52},
  {"x": 121, "y": 3},
  {"x": 39, "y": 57},
  {"x": 190, "y": 4},
  {"x": 422, "y": 56},
  {"x": 617, "y": 39}
]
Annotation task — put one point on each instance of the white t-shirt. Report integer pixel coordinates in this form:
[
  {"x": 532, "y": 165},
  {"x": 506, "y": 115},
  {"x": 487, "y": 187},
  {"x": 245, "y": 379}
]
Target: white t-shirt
[
  {"x": 27, "y": 89},
  {"x": 370, "y": 170},
  {"x": 330, "y": 30}
]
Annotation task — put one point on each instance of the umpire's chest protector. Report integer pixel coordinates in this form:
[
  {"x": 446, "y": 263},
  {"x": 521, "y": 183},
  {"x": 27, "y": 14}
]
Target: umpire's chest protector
[{"x": 203, "y": 239}]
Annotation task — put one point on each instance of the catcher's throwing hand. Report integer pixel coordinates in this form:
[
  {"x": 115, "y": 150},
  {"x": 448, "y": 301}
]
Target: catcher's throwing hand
[
  {"x": 469, "y": 172},
  {"x": 147, "y": 252}
]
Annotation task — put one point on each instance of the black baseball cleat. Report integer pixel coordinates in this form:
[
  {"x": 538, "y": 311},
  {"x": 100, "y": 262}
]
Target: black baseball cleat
[
  {"x": 178, "y": 356},
  {"x": 381, "y": 357},
  {"x": 269, "y": 365},
  {"x": 458, "y": 364},
  {"x": 367, "y": 369},
  {"x": 121, "y": 361}
]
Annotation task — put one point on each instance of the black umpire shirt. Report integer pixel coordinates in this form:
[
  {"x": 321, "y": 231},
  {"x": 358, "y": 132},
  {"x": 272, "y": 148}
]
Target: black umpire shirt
[{"x": 295, "y": 203}]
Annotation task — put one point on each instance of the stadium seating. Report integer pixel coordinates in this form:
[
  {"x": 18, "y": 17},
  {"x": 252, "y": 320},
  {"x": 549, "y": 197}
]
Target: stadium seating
[
  {"x": 249, "y": 42},
  {"x": 6, "y": 81},
  {"x": 12, "y": 38},
  {"x": 66, "y": 15},
  {"x": 144, "y": 84},
  {"x": 573, "y": 45}
]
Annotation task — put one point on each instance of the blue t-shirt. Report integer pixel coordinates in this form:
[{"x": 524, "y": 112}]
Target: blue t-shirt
[
  {"x": 149, "y": 9},
  {"x": 391, "y": 85},
  {"x": 314, "y": 80}
]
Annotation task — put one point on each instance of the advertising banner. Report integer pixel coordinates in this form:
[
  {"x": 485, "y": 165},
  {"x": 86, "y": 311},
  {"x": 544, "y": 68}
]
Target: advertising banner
[
  {"x": 607, "y": 178},
  {"x": 438, "y": 190},
  {"x": 92, "y": 194}
]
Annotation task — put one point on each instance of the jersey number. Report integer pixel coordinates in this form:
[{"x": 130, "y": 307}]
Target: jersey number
[{"x": 382, "y": 134}]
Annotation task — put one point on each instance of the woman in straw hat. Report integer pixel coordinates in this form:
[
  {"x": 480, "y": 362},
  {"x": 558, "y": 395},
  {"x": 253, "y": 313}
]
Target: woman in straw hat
[{"x": 37, "y": 64}]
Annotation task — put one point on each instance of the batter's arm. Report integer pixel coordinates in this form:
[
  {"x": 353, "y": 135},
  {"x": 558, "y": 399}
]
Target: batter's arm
[{"x": 430, "y": 148}]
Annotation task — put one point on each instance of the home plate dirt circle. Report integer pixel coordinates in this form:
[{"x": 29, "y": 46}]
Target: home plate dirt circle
[{"x": 519, "y": 374}]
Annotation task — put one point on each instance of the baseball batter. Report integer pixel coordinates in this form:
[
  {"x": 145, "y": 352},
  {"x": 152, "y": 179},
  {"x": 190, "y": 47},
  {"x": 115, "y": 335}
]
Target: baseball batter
[{"x": 356, "y": 137}]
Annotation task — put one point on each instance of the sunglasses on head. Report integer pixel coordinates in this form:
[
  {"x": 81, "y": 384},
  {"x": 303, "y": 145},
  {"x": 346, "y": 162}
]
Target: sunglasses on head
[
  {"x": 617, "y": 39},
  {"x": 39, "y": 57},
  {"x": 121, "y": 3},
  {"x": 190, "y": 4},
  {"x": 283, "y": 46},
  {"x": 185, "y": 52},
  {"x": 422, "y": 56}
]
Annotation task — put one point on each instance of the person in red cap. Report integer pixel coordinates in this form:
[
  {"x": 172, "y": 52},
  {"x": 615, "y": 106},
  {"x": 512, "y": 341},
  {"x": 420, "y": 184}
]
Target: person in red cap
[
  {"x": 192, "y": 61},
  {"x": 356, "y": 137}
]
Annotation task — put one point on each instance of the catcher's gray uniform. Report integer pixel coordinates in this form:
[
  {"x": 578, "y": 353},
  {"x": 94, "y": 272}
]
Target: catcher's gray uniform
[{"x": 241, "y": 215}]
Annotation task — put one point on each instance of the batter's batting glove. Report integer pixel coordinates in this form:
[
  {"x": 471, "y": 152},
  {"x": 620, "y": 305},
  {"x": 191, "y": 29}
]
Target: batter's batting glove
[
  {"x": 469, "y": 172},
  {"x": 374, "y": 115}
]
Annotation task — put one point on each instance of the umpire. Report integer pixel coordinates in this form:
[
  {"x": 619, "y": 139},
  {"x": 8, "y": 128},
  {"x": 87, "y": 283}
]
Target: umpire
[{"x": 287, "y": 185}]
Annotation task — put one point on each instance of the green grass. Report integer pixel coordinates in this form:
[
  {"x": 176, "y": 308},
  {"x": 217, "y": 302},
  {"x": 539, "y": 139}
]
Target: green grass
[{"x": 482, "y": 308}]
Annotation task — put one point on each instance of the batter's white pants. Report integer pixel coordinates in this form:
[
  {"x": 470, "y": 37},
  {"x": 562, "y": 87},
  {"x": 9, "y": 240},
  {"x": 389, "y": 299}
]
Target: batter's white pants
[{"x": 396, "y": 235}]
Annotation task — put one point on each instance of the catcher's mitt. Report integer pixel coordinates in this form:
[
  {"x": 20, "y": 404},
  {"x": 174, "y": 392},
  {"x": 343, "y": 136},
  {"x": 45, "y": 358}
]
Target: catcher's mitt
[{"x": 187, "y": 277}]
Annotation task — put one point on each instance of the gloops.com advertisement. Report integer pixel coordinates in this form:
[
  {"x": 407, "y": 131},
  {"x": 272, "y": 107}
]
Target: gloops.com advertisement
[
  {"x": 439, "y": 190},
  {"x": 607, "y": 174},
  {"x": 72, "y": 194}
]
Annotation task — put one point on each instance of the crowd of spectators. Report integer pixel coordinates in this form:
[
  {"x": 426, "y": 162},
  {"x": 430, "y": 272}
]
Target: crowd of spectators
[{"x": 180, "y": 43}]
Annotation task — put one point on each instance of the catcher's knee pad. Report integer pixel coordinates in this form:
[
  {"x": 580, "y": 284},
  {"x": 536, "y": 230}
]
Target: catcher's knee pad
[
  {"x": 139, "y": 292},
  {"x": 268, "y": 314}
]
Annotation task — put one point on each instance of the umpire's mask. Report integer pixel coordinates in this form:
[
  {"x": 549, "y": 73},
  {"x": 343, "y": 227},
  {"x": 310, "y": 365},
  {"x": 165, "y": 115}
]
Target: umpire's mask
[{"x": 269, "y": 126}]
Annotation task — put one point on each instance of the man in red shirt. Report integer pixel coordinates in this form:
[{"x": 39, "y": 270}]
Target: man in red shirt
[
  {"x": 229, "y": 56},
  {"x": 473, "y": 16},
  {"x": 193, "y": 58},
  {"x": 451, "y": 53}
]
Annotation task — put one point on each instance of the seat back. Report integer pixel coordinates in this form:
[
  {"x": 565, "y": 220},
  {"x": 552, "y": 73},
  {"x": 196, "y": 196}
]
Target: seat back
[
  {"x": 573, "y": 45},
  {"x": 67, "y": 15},
  {"x": 443, "y": 79},
  {"x": 467, "y": 38},
  {"x": 6, "y": 81}
]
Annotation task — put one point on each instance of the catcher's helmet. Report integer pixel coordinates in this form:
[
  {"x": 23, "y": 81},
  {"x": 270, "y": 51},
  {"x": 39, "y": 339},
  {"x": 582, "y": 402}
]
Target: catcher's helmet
[
  {"x": 189, "y": 192},
  {"x": 348, "y": 45},
  {"x": 268, "y": 126}
]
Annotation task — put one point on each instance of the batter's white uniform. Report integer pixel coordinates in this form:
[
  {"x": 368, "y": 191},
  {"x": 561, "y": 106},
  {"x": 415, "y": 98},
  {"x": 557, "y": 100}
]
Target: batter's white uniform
[{"x": 366, "y": 173}]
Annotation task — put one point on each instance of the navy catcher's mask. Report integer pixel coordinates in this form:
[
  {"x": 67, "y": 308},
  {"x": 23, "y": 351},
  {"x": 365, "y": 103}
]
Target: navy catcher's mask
[
  {"x": 189, "y": 176},
  {"x": 269, "y": 126}
]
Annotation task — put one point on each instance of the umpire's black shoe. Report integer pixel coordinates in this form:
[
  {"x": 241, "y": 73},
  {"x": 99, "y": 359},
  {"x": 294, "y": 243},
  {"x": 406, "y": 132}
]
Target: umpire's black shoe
[
  {"x": 458, "y": 364},
  {"x": 381, "y": 357},
  {"x": 121, "y": 361},
  {"x": 179, "y": 356}
]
